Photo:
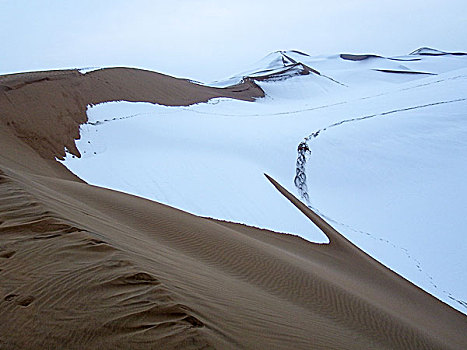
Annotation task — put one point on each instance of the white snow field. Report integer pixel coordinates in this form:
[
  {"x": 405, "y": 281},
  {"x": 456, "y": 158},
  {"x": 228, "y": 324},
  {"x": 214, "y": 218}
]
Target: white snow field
[{"x": 383, "y": 156}]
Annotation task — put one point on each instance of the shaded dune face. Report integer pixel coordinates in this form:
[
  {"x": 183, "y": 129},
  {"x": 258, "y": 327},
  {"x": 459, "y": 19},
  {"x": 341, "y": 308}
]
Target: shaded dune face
[
  {"x": 85, "y": 267},
  {"x": 65, "y": 285}
]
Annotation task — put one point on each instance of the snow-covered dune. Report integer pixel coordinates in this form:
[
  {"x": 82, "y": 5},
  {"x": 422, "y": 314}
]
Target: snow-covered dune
[{"x": 382, "y": 154}]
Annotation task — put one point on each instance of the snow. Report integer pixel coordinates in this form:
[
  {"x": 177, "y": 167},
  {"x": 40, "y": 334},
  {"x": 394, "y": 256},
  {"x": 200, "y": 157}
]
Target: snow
[
  {"x": 88, "y": 69},
  {"x": 427, "y": 51},
  {"x": 386, "y": 169},
  {"x": 357, "y": 74},
  {"x": 210, "y": 172}
]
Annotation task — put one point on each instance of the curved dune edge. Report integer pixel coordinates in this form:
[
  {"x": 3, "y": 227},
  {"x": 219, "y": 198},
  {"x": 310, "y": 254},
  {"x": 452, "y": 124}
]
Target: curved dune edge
[
  {"x": 32, "y": 102},
  {"x": 86, "y": 267}
]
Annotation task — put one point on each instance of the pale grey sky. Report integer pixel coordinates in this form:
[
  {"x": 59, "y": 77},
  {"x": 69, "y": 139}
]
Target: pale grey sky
[{"x": 212, "y": 39}]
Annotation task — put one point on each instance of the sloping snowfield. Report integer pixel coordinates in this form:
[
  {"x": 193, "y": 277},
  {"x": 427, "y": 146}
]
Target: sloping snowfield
[{"x": 382, "y": 156}]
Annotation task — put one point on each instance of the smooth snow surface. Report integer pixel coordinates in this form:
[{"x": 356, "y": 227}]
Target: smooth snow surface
[{"x": 386, "y": 168}]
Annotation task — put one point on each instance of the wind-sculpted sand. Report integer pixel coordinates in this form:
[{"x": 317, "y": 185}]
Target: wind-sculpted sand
[{"x": 83, "y": 267}]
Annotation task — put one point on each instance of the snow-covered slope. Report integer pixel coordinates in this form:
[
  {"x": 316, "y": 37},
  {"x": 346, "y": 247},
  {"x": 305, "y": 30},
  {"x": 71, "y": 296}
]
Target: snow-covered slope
[{"x": 377, "y": 145}]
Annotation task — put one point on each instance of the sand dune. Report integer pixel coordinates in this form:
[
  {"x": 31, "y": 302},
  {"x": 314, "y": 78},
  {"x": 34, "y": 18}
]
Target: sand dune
[
  {"x": 61, "y": 98},
  {"x": 84, "y": 267}
]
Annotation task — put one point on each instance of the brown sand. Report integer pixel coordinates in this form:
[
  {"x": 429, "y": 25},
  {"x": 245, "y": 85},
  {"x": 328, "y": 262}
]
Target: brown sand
[
  {"x": 351, "y": 57},
  {"x": 83, "y": 267}
]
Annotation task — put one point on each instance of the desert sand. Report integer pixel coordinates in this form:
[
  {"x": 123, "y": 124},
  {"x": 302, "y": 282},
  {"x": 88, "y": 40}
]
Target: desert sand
[{"x": 83, "y": 267}]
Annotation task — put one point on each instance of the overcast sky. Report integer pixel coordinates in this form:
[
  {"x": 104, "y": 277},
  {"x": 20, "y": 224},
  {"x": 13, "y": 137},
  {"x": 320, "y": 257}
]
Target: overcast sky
[{"x": 212, "y": 39}]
